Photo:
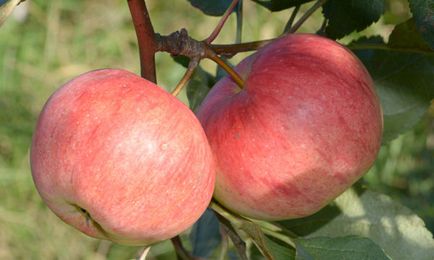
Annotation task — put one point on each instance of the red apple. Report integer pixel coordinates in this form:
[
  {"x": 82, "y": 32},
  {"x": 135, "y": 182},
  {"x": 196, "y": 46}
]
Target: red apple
[
  {"x": 304, "y": 128},
  {"x": 121, "y": 159}
]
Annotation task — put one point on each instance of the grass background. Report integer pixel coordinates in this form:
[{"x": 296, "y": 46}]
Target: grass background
[{"x": 58, "y": 40}]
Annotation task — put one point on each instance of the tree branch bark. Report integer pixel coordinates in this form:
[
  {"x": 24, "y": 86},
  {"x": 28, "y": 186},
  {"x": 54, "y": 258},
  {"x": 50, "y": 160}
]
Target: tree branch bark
[{"x": 145, "y": 36}]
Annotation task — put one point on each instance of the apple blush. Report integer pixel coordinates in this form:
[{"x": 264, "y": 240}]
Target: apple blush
[{"x": 121, "y": 159}]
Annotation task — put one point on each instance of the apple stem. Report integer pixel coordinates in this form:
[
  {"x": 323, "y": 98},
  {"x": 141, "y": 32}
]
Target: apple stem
[
  {"x": 291, "y": 18},
  {"x": 144, "y": 253},
  {"x": 306, "y": 15},
  {"x": 222, "y": 22},
  {"x": 192, "y": 65},
  {"x": 145, "y": 36},
  {"x": 232, "y": 73}
]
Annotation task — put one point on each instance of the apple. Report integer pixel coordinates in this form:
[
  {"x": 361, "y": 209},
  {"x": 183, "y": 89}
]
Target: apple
[
  {"x": 304, "y": 128},
  {"x": 121, "y": 159}
]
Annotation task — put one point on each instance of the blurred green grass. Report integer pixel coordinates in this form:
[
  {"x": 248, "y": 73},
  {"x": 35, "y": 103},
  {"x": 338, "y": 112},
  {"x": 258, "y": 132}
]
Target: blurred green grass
[{"x": 61, "y": 39}]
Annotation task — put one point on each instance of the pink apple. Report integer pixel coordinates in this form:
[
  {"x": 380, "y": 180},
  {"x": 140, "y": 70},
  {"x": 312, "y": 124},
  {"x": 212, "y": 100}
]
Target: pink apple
[
  {"x": 306, "y": 126},
  {"x": 121, "y": 159}
]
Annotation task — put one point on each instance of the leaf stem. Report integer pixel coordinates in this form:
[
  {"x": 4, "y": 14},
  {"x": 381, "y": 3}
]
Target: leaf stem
[
  {"x": 291, "y": 18},
  {"x": 222, "y": 22},
  {"x": 306, "y": 15},
  {"x": 187, "y": 76},
  {"x": 239, "y": 32},
  {"x": 145, "y": 36},
  {"x": 181, "y": 252},
  {"x": 144, "y": 253},
  {"x": 238, "y": 242}
]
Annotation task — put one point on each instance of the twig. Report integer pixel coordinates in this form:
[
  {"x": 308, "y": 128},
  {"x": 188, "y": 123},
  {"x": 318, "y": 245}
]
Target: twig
[
  {"x": 291, "y": 19},
  {"x": 306, "y": 15},
  {"x": 181, "y": 252},
  {"x": 222, "y": 22},
  {"x": 144, "y": 253},
  {"x": 180, "y": 43},
  {"x": 187, "y": 76},
  {"x": 145, "y": 37}
]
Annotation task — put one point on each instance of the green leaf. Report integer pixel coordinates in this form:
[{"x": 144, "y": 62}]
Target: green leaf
[
  {"x": 423, "y": 13},
  {"x": 278, "y": 249},
  {"x": 214, "y": 8},
  {"x": 198, "y": 87},
  {"x": 396, "y": 229},
  {"x": 6, "y": 8},
  {"x": 279, "y": 5},
  {"x": 346, "y": 16},
  {"x": 205, "y": 235},
  {"x": 255, "y": 233},
  {"x": 406, "y": 36},
  {"x": 403, "y": 78},
  {"x": 350, "y": 247},
  {"x": 308, "y": 225}
]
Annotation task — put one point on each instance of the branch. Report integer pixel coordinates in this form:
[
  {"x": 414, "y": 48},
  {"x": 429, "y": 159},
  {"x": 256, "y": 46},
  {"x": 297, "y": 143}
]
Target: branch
[
  {"x": 180, "y": 43},
  {"x": 145, "y": 37},
  {"x": 232, "y": 49},
  {"x": 306, "y": 15},
  {"x": 222, "y": 22}
]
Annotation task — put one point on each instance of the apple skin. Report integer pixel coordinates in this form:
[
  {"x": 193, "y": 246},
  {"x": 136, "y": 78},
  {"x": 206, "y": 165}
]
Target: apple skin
[
  {"x": 121, "y": 159},
  {"x": 304, "y": 128}
]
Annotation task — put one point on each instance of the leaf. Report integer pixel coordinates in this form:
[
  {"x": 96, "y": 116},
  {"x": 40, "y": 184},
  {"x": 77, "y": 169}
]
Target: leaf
[
  {"x": 278, "y": 249},
  {"x": 406, "y": 36},
  {"x": 198, "y": 87},
  {"x": 205, "y": 235},
  {"x": 213, "y": 8},
  {"x": 279, "y": 5},
  {"x": 258, "y": 237},
  {"x": 350, "y": 247},
  {"x": 6, "y": 8},
  {"x": 404, "y": 81},
  {"x": 229, "y": 230},
  {"x": 308, "y": 225},
  {"x": 423, "y": 13},
  {"x": 346, "y": 16},
  {"x": 396, "y": 229}
]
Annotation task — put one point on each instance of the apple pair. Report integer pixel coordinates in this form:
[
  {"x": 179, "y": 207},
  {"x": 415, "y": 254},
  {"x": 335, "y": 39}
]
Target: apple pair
[{"x": 121, "y": 159}]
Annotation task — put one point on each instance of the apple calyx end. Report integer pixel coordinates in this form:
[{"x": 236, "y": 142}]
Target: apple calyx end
[{"x": 90, "y": 221}]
